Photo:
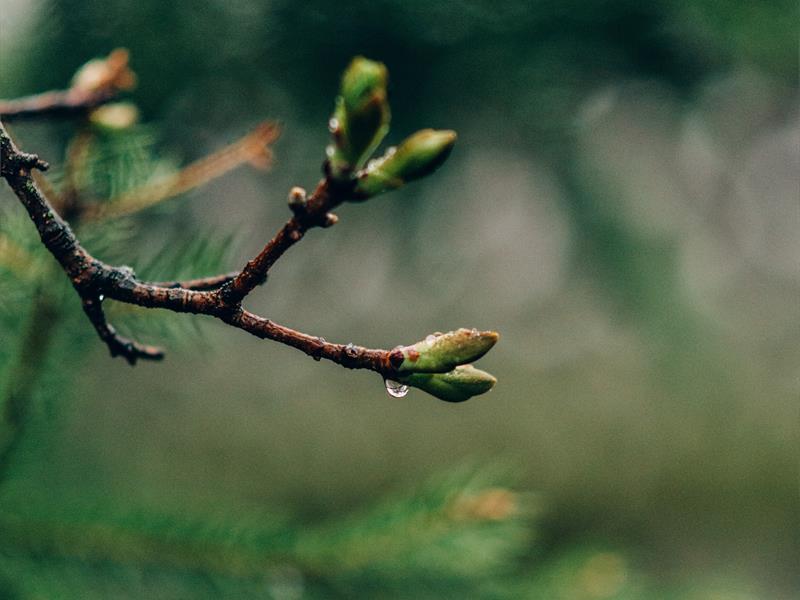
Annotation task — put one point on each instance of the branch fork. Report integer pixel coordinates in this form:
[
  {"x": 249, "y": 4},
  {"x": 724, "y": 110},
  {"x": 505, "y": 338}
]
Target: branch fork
[{"x": 438, "y": 364}]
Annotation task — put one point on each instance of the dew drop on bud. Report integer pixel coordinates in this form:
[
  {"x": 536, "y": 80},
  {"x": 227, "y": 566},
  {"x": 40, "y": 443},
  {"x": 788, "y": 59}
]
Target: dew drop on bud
[
  {"x": 395, "y": 389},
  {"x": 430, "y": 339},
  {"x": 333, "y": 125},
  {"x": 100, "y": 298}
]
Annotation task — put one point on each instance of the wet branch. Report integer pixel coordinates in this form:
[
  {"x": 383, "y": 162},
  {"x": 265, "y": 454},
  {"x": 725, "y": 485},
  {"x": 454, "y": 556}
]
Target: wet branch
[
  {"x": 95, "y": 280},
  {"x": 117, "y": 344}
]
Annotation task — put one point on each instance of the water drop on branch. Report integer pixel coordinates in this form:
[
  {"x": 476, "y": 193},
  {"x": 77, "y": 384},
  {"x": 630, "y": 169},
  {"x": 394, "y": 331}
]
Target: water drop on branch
[{"x": 395, "y": 389}]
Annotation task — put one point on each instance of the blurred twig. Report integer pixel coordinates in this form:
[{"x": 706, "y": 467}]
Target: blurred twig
[
  {"x": 253, "y": 148},
  {"x": 97, "y": 82}
]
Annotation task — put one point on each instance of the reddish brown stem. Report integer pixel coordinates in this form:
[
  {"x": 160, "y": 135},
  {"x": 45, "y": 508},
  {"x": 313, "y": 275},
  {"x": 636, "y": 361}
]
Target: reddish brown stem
[
  {"x": 315, "y": 213},
  {"x": 117, "y": 345}
]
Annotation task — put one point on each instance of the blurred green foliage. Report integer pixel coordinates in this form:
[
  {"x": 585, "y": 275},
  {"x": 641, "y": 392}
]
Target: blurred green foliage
[{"x": 621, "y": 206}]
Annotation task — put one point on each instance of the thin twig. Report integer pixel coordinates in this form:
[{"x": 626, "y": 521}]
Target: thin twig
[
  {"x": 96, "y": 83},
  {"x": 314, "y": 213},
  {"x": 56, "y": 104},
  {"x": 117, "y": 345},
  {"x": 253, "y": 148}
]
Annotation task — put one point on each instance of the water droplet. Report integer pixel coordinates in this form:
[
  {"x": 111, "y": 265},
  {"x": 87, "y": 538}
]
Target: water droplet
[
  {"x": 333, "y": 124},
  {"x": 329, "y": 151},
  {"x": 100, "y": 298},
  {"x": 430, "y": 339},
  {"x": 374, "y": 164},
  {"x": 395, "y": 388},
  {"x": 390, "y": 150}
]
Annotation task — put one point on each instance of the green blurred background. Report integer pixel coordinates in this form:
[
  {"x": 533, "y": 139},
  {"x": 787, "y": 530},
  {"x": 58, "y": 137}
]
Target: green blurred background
[{"x": 622, "y": 205}]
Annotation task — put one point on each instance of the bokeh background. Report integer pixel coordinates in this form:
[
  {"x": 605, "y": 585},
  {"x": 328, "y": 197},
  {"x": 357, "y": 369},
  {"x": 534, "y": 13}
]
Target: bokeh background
[{"x": 622, "y": 205}]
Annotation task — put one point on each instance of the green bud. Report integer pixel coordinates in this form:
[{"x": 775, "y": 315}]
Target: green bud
[
  {"x": 418, "y": 156},
  {"x": 361, "y": 117},
  {"x": 462, "y": 383},
  {"x": 441, "y": 352}
]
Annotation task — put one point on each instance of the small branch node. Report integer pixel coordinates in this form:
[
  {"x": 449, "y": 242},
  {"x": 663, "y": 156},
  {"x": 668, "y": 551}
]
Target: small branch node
[
  {"x": 298, "y": 202},
  {"x": 330, "y": 220},
  {"x": 118, "y": 345}
]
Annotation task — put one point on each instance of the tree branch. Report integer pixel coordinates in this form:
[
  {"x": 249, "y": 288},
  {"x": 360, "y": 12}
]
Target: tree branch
[
  {"x": 117, "y": 345},
  {"x": 94, "y": 279},
  {"x": 60, "y": 103},
  {"x": 307, "y": 214},
  {"x": 97, "y": 82},
  {"x": 439, "y": 364}
]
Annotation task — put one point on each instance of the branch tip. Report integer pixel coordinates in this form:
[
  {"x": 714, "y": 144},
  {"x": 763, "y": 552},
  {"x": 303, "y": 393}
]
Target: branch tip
[
  {"x": 97, "y": 82},
  {"x": 118, "y": 345}
]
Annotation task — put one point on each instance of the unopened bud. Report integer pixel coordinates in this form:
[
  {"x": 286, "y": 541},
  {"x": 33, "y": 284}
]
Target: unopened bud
[
  {"x": 458, "y": 385},
  {"x": 418, "y": 156},
  {"x": 361, "y": 117},
  {"x": 297, "y": 199},
  {"x": 439, "y": 353}
]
